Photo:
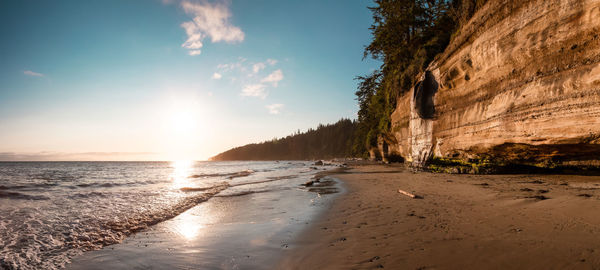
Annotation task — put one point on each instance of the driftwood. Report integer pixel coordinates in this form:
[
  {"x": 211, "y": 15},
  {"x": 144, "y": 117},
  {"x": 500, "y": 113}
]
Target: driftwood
[{"x": 410, "y": 194}]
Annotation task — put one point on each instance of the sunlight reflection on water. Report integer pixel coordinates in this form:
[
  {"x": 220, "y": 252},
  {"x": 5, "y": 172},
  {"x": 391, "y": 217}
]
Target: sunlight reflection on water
[
  {"x": 194, "y": 223},
  {"x": 182, "y": 169},
  {"x": 188, "y": 226}
]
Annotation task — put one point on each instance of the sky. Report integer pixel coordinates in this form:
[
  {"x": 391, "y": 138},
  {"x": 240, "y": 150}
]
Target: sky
[{"x": 170, "y": 79}]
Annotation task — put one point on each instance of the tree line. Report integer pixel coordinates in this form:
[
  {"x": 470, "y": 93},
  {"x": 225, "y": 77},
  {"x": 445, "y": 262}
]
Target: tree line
[{"x": 324, "y": 142}]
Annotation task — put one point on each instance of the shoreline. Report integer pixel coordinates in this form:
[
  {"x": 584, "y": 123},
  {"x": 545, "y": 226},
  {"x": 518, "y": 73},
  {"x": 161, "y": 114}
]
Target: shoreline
[
  {"x": 246, "y": 230},
  {"x": 462, "y": 222}
]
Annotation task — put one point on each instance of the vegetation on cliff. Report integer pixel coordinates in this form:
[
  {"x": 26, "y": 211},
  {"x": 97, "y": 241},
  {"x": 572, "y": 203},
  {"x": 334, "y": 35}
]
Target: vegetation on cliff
[
  {"x": 327, "y": 141},
  {"x": 407, "y": 35}
]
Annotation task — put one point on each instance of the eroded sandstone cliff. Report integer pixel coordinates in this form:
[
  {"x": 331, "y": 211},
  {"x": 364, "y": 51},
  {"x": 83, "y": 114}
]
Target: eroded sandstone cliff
[{"x": 518, "y": 84}]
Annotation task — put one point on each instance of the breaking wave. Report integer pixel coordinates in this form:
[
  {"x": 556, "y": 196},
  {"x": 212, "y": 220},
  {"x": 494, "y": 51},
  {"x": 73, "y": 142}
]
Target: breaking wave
[
  {"x": 21, "y": 196},
  {"x": 229, "y": 175},
  {"x": 29, "y": 242}
]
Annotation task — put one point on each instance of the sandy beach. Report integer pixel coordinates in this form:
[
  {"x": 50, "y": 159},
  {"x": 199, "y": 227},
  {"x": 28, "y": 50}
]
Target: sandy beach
[{"x": 461, "y": 222}]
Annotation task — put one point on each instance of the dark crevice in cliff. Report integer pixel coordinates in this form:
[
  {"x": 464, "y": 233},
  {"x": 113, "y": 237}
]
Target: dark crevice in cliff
[{"x": 424, "y": 93}]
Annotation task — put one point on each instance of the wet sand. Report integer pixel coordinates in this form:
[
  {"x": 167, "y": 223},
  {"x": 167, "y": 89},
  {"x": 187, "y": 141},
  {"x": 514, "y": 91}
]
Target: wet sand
[{"x": 461, "y": 222}]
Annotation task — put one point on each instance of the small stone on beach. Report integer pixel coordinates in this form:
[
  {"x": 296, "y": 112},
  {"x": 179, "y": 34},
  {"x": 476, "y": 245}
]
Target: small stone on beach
[{"x": 539, "y": 197}]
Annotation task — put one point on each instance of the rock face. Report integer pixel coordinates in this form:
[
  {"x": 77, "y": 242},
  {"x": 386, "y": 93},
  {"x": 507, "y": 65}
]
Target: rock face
[{"x": 518, "y": 84}]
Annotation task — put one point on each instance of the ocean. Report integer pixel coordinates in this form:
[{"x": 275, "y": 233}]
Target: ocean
[{"x": 53, "y": 212}]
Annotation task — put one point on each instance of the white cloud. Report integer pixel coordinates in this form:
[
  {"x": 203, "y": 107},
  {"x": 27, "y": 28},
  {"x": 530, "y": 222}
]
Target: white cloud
[
  {"x": 195, "y": 52},
  {"x": 244, "y": 72},
  {"x": 258, "y": 67},
  {"x": 217, "y": 76},
  {"x": 210, "y": 20},
  {"x": 242, "y": 66},
  {"x": 227, "y": 67},
  {"x": 31, "y": 73},
  {"x": 254, "y": 90},
  {"x": 271, "y": 62},
  {"x": 195, "y": 37},
  {"x": 274, "y": 108},
  {"x": 273, "y": 78},
  {"x": 232, "y": 66}
]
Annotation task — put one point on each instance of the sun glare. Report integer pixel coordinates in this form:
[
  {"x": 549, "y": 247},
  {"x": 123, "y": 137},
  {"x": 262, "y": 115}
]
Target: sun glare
[
  {"x": 182, "y": 122},
  {"x": 187, "y": 226},
  {"x": 192, "y": 224},
  {"x": 183, "y": 129}
]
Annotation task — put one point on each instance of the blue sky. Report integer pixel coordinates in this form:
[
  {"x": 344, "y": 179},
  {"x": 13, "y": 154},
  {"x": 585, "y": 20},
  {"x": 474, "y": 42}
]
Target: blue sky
[{"x": 157, "y": 80}]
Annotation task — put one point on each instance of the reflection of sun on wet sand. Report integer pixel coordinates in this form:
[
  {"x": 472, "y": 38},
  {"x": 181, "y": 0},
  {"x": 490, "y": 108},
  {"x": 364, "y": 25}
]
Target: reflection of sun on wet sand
[{"x": 461, "y": 222}]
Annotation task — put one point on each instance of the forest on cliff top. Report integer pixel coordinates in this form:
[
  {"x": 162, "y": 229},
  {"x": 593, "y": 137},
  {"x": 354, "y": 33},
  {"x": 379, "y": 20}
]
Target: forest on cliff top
[{"x": 406, "y": 36}]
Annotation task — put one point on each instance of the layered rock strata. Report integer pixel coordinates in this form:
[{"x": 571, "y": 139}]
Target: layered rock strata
[{"x": 518, "y": 84}]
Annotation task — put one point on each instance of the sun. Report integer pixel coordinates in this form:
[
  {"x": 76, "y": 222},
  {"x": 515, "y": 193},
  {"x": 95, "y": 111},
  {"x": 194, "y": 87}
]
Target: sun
[
  {"x": 182, "y": 130},
  {"x": 183, "y": 122}
]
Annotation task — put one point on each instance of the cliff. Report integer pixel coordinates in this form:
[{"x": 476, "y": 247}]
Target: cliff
[{"x": 519, "y": 84}]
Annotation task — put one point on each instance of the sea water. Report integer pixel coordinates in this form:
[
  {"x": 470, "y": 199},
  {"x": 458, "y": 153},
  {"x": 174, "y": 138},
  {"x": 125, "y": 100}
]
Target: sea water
[{"x": 53, "y": 211}]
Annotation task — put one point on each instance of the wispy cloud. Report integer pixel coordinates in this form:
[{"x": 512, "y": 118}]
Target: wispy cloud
[
  {"x": 31, "y": 73},
  {"x": 239, "y": 65},
  {"x": 245, "y": 68},
  {"x": 210, "y": 20},
  {"x": 217, "y": 76},
  {"x": 273, "y": 78},
  {"x": 254, "y": 84},
  {"x": 258, "y": 67},
  {"x": 274, "y": 108},
  {"x": 259, "y": 89},
  {"x": 271, "y": 62},
  {"x": 254, "y": 90}
]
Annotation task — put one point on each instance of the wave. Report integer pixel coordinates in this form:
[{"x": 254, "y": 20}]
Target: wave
[
  {"x": 230, "y": 175},
  {"x": 143, "y": 220},
  {"x": 112, "y": 184},
  {"x": 248, "y": 192},
  {"x": 88, "y": 195},
  {"x": 53, "y": 245},
  {"x": 29, "y": 186},
  {"x": 21, "y": 196},
  {"x": 99, "y": 185},
  {"x": 269, "y": 179},
  {"x": 193, "y": 189}
]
